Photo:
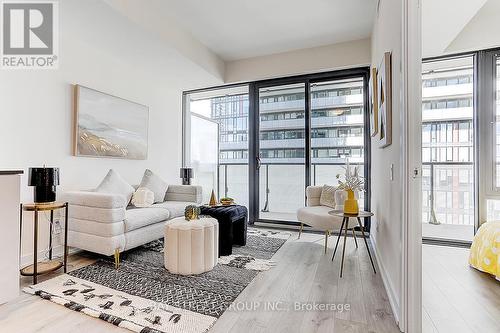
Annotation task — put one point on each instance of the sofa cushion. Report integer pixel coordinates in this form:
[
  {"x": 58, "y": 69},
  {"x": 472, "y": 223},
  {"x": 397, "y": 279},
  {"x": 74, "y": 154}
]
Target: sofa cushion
[
  {"x": 176, "y": 208},
  {"x": 96, "y": 228},
  {"x": 102, "y": 215},
  {"x": 154, "y": 183},
  {"x": 114, "y": 183},
  {"x": 318, "y": 218},
  {"x": 136, "y": 218},
  {"x": 184, "y": 193},
  {"x": 94, "y": 199}
]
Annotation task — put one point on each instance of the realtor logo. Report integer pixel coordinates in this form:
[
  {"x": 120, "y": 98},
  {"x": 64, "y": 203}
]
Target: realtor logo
[{"x": 29, "y": 34}]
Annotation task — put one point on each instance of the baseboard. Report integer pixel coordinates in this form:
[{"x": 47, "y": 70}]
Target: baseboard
[{"x": 391, "y": 293}]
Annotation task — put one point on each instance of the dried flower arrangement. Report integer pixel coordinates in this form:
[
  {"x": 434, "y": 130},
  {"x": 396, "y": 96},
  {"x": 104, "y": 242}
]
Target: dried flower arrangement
[{"x": 351, "y": 180}]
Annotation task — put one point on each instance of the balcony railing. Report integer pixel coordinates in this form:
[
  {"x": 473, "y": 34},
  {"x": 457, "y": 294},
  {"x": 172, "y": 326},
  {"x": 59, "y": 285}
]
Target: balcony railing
[
  {"x": 448, "y": 193},
  {"x": 447, "y": 188},
  {"x": 281, "y": 185}
]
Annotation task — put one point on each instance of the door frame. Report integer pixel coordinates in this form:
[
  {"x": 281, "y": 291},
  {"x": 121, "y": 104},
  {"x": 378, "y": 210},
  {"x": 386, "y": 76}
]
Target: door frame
[{"x": 410, "y": 318}]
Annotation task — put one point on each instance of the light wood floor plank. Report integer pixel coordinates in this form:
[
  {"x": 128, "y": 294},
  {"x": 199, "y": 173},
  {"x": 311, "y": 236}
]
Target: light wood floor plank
[
  {"x": 303, "y": 274},
  {"x": 456, "y": 296}
]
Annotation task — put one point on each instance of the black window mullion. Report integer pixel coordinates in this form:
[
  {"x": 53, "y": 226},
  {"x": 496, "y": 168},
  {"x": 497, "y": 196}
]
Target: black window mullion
[
  {"x": 307, "y": 136},
  {"x": 253, "y": 151}
]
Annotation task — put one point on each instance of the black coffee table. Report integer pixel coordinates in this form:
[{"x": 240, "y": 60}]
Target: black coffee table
[{"x": 232, "y": 225}]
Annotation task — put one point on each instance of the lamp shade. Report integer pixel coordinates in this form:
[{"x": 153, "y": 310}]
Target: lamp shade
[
  {"x": 43, "y": 176},
  {"x": 45, "y": 181}
]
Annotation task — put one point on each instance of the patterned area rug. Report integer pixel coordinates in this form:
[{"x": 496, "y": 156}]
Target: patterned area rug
[{"x": 144, "y": 297}]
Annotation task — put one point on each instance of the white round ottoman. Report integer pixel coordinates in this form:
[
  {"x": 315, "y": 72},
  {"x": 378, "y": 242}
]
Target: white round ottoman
[{"x": 191, "y": 247}]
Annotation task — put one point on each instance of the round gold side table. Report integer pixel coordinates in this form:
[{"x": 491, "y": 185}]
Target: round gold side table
[{"x": 51, "y": 265}]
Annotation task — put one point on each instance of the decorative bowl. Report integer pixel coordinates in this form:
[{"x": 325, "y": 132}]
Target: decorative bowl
[{"x": 227, "y": 201}]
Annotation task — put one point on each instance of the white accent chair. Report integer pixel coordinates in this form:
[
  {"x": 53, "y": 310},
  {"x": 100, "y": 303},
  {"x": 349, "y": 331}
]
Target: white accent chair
[{"x": 316, "y": 215}]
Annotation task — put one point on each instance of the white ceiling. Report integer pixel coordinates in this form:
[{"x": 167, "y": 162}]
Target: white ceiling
[
  {"x": 449, "y": 26},
  {"x": 237, "y": 29}
]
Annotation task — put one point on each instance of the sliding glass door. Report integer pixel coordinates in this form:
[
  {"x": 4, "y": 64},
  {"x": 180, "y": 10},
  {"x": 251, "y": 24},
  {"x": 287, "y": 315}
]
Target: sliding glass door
[
  {"x": 493, "y": 203},
  {"x": 273, "y": 138},
  {"x": 281, "y": 158},
  {"x": 489, "y": 103}
]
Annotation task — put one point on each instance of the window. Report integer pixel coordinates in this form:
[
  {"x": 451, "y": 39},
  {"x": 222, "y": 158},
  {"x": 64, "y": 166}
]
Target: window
[{"x": 447, "y": 143}]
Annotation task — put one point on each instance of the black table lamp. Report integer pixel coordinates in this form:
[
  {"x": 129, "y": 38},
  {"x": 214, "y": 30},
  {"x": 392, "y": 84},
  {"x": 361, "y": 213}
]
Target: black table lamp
[
  {"x": 45, "y": 181},
  {"x": 186, "y": 175}
]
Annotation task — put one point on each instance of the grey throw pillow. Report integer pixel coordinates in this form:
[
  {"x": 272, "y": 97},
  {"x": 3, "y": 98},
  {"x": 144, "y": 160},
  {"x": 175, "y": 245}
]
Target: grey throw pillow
[
  {"x": 113, "y": 183},
  {"x": 154, "y": 183},
  {"x": 327, "y": 197}
]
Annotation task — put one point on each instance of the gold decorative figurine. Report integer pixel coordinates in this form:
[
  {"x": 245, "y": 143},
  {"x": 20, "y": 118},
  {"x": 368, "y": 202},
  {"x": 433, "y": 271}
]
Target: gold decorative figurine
[{"x": 213, "y": 200}]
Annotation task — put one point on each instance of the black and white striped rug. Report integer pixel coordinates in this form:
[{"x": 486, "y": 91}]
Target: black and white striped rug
[{"x": 144, "y": 297}]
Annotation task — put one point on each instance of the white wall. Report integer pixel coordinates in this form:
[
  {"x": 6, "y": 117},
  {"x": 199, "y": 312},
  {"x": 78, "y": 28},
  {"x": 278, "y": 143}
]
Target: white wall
[
  {"x": 386, "y": 230},
  {"x": 103, "y": 50},
  {"x": 317, "y": 59}
]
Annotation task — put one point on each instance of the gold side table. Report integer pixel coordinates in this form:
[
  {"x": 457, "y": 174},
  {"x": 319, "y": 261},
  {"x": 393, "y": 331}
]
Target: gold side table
[{"x": 51, "y": 265}]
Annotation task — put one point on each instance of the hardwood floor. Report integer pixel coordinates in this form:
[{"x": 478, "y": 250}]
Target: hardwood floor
[
  {"x": 303, "y": 274},
  {"x": 456, "y": 297}
]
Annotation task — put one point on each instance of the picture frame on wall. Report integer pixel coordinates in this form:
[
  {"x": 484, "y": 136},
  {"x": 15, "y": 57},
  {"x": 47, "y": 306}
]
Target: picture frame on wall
[
  {"x": 384, "y": 100},
  {"x": 108, "y": 126},
  {"x": 372, "y": 91}
]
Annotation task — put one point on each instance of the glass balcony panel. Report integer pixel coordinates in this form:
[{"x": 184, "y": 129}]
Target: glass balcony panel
[
  {"x": 233, "y": 182},
  {"x": 281, "y": 191}
]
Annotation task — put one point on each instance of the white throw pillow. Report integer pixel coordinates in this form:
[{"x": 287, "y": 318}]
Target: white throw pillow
[
  {"x": 155, "y": 184},
  {"x": 113, "y": 183},
  {"x": 327, "y": 197},
  {"x": 143, "y": 197}
]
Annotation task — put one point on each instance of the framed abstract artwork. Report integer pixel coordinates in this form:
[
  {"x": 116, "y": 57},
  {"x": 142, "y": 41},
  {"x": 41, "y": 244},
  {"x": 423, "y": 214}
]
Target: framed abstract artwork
[
  {"x": 109, "y": 126},
  {"x": 372, "y": 91},
  {"x": 384, "y": 101}
]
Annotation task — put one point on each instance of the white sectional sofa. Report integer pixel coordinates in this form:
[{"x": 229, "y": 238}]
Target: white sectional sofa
[{"x": 105, "y": 223}]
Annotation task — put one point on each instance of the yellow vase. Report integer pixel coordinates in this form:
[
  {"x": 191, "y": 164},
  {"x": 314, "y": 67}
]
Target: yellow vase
[{"x": 351, "y": 204}]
